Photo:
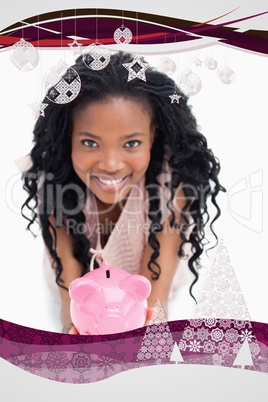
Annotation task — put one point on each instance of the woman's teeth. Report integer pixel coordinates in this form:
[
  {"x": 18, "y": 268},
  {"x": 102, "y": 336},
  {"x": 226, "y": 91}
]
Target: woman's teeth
[{"x": 110, "y": 182}]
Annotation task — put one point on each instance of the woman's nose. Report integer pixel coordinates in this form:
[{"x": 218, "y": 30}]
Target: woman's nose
[{"x": 111, "y": 162}]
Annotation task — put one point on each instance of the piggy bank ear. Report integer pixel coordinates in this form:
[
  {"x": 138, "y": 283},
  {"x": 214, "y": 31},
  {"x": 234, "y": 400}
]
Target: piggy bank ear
[
  {"x": 137, "y": 285},
  {"x": 80, "y": 288}
]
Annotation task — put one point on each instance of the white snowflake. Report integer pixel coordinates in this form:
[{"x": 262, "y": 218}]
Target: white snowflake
[
  {"x": 148, "y": 355},
  {"x": 150, "y": 336},
  {"x": 222, "y": 285},
  {"x": 140, "y": 356},
  {"x": 202, "y": 334},
  {"x": 196, "y": 322},
  {"x": 231, "y": 335},
  {"x": 188, "y": 333},
  {"x": 246, "y": 335},
  {"x": 155, "y": 341},
  {"x": 162, "y": 341},
  {"x": 159, "y": 348},
  {"x": 236, "y": 347},
  {"x": 239, "y": 324},
  {"x": 223, "y": 347},
  {"x": 210, "y": 322},
  {"x": 254, "y": 349},
  {"x": 166, "y": 334},
  {"x": 209, "y": 347},
  {"x": 214, "y": 298},
  {"x": 194, "y": 346},
  {"x": 161, "y": 328},
  {"x": 182, "y": 345},
  {"x": 151, "y": 349},
  {"x": 216, "y": 271},
  {"x": 166, "y": 348},
  {"x": 217, "y": 334},
  {"x": 209, "y": 285},
  {"x": 225, "y": 323}
]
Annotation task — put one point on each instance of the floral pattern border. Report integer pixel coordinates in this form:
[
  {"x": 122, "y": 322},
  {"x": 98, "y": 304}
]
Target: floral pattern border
[{"x": 84, "y": 359}]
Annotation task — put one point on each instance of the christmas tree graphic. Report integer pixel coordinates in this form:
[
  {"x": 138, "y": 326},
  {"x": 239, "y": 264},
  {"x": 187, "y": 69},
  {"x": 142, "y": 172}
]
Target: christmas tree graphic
[
  {"x": 158, "y": 343},
  {"x": 219, "y": 291},
  {"x": 176, "y": 355},
  {"x": 244, "y": 357}
]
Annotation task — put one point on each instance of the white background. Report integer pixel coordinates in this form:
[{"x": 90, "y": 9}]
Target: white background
[{"x": 233, "y": 118}]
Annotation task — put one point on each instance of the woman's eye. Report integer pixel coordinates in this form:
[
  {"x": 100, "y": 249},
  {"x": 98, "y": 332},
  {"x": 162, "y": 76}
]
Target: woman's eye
[
  {"x": 89, "y": 143},
  {"x": 132, "y": 144}
]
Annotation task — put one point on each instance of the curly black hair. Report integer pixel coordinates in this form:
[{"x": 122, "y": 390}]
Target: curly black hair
[{"x": 193, "y": 165}]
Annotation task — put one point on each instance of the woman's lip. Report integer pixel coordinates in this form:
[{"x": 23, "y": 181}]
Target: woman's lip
[
  {"x": 105, "y": 177},
  {"x": 112, "y": 186}
]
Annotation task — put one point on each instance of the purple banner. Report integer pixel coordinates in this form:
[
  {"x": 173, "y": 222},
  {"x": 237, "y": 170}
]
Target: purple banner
[{"x": 85, "y": 359}]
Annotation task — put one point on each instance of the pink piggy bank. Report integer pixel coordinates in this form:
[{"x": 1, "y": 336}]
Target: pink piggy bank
[{"x": 109, "y": 300}]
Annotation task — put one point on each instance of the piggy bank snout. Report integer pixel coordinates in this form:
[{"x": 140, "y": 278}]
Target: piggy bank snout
[{"x": 111, "y": 310}]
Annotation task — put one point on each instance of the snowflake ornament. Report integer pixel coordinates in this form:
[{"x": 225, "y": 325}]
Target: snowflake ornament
[
  {"x": 24, "y": 55},
  {"x": 96, "y": 56},
  {"x": 190, "y": 83},
  {"x": 211, "y": 63},
  {"x": 136, "y": 69},
  {"x": 166, "y": 65},
  {"x": 66, "y": 89},
  {"x": 122, "y": 35},
  {"x": 53, "y": 75},
  {"x": 226, "y": 75}
]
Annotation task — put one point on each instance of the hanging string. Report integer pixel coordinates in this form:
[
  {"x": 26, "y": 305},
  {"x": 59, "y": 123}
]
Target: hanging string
[
  {"x": 137, "y": 25},
  {"x": 96, "y": 253},
  {"x": 22, "y": 30},
  {"x": 61, "y": 29},
  {"x": 75, "y": 24},
  {"x": 178, "y": 72},
  {"x": 96, "y": 26},
  {"x": 38, "y": 37}
]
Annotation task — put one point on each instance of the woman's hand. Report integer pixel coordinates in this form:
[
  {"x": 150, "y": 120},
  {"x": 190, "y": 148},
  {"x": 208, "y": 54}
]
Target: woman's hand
[
  {"x": 71, "y": 330},
  {"x": 151, "y": 313}
]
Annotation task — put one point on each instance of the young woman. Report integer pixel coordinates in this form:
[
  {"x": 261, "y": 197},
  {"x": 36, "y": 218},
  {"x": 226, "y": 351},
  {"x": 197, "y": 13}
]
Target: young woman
[{"x": 121, "y": 173}]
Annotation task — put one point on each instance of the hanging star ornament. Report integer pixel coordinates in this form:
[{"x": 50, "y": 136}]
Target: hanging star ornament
[
  {"x": 197, "y": 61},
  {"x": 42, "y": 109},
  {"x": 136, "y": 69},
  {"x": 38, "y": 109},
  {"x": 75, "y": 47},
  {"x": 175, "y": 98}
]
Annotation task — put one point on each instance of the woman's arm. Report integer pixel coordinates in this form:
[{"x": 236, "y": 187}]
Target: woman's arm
[
  {"x": 168, "y": 261},
  {"x": 72, "y": 268},
  {"x": 170, "y": 241}
]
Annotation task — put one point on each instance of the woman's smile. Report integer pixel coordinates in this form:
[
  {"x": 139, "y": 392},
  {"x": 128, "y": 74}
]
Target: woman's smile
[{"x": 110, "y": 184}]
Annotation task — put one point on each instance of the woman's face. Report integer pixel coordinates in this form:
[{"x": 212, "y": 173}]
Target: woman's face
[{"x": 111, "y": 143}]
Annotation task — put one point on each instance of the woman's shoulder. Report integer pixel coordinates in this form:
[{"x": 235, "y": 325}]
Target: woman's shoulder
[{"x": 24, "y": 163}]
